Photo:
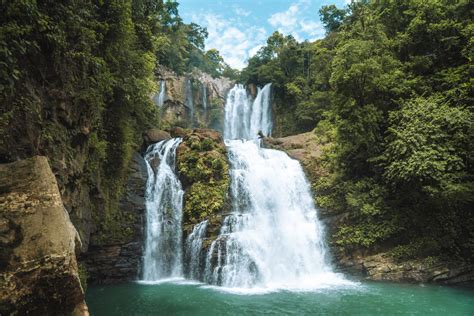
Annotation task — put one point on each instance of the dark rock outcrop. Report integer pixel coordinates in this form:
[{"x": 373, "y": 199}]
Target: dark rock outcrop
[
  {"x": 111, "y": 262},
  {"x": 39, "y": 271},
  {"x": 155, "y": 135}
]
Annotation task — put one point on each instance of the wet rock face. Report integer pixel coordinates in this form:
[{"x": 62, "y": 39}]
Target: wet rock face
[
  {"x": 381, "y": 267},
  {"x": 193, "y": 100},
  {"x": 112, "y": 262},
  {"x": 39, "y": 273}
]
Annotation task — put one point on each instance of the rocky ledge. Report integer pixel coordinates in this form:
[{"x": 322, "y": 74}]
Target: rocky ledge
[{"x": 39, "y": 271}]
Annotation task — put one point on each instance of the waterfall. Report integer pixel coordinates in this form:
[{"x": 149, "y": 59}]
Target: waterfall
[
  {"x": 204, "y": 96},
  {"x": 193, "y": 250},
  {"x": 244, "y": 117},
  {"x": 272, "y": 238},
  {"x": 160, "y": 99},
  {"x": 164, "y": 204},
  {"x": 189, "y": 101}
]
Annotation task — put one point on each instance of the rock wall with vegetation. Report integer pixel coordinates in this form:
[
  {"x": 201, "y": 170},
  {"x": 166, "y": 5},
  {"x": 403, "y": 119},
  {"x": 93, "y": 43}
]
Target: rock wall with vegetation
[
  {"x": 204, "y": 172},
  {"x": 206, "y": 95},
  {"x": 116, "y": 247},
  {"x": 39, "y": 273}
]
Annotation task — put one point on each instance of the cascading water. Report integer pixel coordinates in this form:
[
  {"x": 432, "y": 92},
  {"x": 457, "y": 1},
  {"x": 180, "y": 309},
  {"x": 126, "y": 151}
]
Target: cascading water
[
  {"x": 193, "y": 249},
  {"x": 164, "y": 204},
  {"x": 272, "y": 238},
  {"x": 245, "y": 118},
  {"x": 204, "y": 96},
  {"x": 189, "y": 101},
  {"x": 160, "y": 98}
]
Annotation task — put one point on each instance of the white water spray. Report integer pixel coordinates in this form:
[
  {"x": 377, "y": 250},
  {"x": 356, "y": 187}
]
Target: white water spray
[
  {"x": 193, "y": 249},
  {"x": 244, "y": 117},
  {"x": 160, "y": 98},
  {"x": 164, "y": 205}
]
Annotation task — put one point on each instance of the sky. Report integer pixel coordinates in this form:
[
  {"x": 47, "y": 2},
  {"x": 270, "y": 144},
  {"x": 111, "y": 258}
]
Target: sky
[{"x": 239, "y": 28}]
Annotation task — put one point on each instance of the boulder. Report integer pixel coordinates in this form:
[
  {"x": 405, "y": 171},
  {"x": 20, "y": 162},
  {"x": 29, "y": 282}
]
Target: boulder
[
  {"x": 212, "y": 134},
  {"x": 154, "y": 135},
  {"x": 39, "y": 272},
  {"x": 303, "y": 147},
  {"x": 178, "y": 132}
]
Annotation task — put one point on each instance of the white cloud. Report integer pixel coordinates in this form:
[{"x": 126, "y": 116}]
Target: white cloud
[
  {"x": 234, "y": 40},
  {"x": 254, "y": 50},
  {"x": 312, "y": 28},
  {"x": 293, "y": 22},
  {"x": 286, "y": 19},
  {"x": 241, "y": 12}
]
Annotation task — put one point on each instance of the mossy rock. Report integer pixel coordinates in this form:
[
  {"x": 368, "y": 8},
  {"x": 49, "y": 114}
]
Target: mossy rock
[{"x": 204, "y": 172}]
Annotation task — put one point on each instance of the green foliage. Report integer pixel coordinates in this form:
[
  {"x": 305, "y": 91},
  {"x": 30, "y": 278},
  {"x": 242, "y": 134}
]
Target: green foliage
[
  {"x": 204, "y": 171},
  {"x": 428, "y": 146},
  {"x": 389, "y": 90},
  {"x": 332, "y": 17},
  {"x": 422, "y": 247},
  {"x": 180, "y": 46},
  {"x": 204, "y": 201}
]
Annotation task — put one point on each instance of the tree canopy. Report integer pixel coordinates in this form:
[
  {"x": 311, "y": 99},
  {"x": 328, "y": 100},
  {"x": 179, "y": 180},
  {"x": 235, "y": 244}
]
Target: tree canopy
[{"x": 391, "y": 86}]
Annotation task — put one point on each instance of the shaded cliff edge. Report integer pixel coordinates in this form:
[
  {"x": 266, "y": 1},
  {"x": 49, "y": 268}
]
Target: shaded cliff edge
[
  {"x": 374, "y": 263},
  {"x": 39, "y": 271},
  {"x": 110, "y": 260}
]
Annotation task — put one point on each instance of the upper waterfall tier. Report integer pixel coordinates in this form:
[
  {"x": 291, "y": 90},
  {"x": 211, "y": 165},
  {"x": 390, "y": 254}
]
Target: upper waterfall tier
[{"x": 246, "y": 118}]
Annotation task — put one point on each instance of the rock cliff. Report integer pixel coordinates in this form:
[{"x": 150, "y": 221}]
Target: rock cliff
[
  {"x": 110, "y": 259},
  {"x": 192, "y": 100},
  {"x": 39, "y": 271}
]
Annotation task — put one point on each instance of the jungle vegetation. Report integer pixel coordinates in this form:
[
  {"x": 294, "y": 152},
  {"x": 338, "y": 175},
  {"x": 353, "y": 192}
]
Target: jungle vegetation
[{"x": 389, "y": 91}]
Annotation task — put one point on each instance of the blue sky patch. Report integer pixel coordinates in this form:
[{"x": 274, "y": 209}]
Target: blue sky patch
[{"x": 239, "y": 28}]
